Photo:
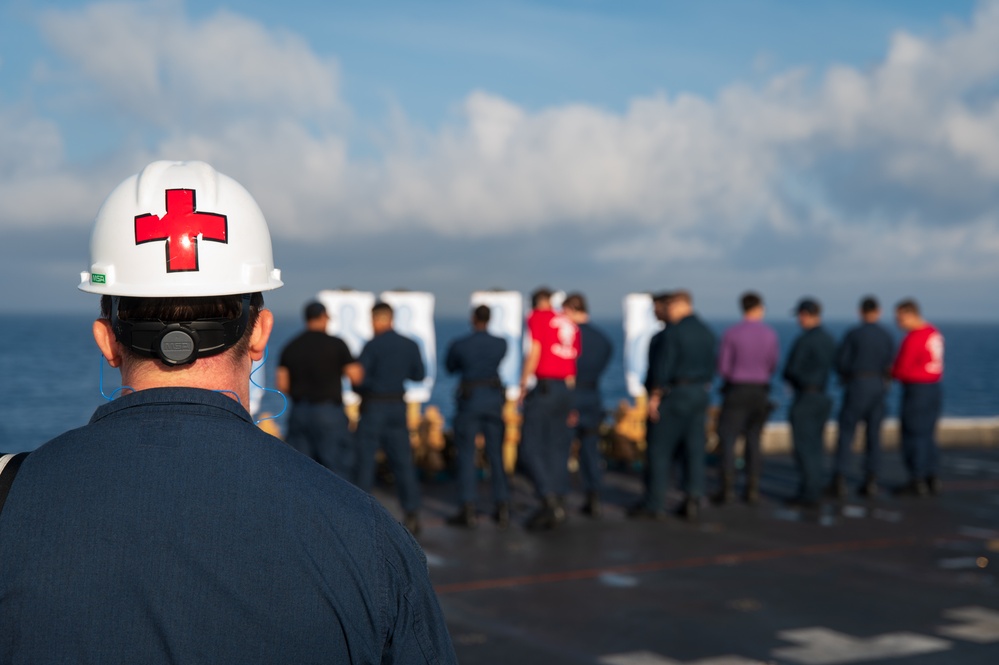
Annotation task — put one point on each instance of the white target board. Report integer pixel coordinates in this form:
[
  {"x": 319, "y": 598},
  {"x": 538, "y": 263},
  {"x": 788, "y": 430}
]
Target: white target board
[
  {"x": 506, "y": 320},
  {"x": 640, "y": 324},
  {"x": 350, "y": 320},
  {"x": 413, "y": 316}
]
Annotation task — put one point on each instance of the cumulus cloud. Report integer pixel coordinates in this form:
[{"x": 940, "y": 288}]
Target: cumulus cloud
[
  {"x": 901, "y": 159},
  {"x": 154, "y": 61},
  {"x": 256, "y": 102},
  {"x": 871, "y": 170}
]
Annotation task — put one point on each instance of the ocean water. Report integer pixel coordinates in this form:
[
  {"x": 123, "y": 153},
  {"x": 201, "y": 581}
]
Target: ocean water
[{"x": 50, "y": 368}]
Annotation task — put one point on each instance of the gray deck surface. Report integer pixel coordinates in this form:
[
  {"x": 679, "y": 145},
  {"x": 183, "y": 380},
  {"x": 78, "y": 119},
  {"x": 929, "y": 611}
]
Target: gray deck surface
[{"x": 891, "y": 580}]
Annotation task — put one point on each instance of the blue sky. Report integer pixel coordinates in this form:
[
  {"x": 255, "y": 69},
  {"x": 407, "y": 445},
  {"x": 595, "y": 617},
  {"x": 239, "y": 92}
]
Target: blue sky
[{"x": 833, "y": 148}]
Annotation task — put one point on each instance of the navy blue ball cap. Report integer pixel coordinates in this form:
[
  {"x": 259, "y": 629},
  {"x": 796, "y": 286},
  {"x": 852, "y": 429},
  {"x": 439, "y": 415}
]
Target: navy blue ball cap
[{"x": 807, "y": 306}]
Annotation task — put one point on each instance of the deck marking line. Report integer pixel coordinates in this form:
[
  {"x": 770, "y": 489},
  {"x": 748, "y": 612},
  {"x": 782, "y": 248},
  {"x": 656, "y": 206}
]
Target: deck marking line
[
  {"x": 649, "y": 658},
  {"x": 656, "y": 566},
  {"x": 822, "y": 646},
  {"x": 978, "y": 624}
]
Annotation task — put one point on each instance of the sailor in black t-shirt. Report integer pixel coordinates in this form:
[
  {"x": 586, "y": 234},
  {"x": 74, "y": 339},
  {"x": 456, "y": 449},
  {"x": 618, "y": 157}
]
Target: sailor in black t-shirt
[{"x": 310, "y": 373}]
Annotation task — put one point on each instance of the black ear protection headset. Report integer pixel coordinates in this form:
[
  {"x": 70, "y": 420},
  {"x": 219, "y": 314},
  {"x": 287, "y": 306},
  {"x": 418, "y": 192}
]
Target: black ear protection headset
[{"x": 180, "y": 342}]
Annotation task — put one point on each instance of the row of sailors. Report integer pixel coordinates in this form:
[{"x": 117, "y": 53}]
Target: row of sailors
[{"x": 561, "y": 403}]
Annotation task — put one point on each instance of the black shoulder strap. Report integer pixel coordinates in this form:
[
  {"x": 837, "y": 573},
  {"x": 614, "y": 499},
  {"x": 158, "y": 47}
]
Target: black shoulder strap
[{"x": 9, "y": 464}]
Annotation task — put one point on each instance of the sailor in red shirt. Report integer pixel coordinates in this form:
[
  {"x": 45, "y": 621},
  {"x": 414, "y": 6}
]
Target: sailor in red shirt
[
  {"x": 545, "y": 436},
  {"x": 919, "y": 368}
]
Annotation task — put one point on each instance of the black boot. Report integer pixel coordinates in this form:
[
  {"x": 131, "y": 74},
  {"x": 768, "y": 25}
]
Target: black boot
[
  {"x": 690, "y": 509},
  {"x": 913, "y": 488},
  {"x": 837, "y": 487},
  {"x": 560, "y": 514},
  {"x": 592, "y": 506},
  {"x": 933, "y": 485},
  {"x": 870, "y": 487},
  {"x": 726, "y": 493},
  {"x": 465, "y": 517},
  {"x": 502, "y": 514},
  {"x": 412, "y": 523},
  {"x": 546, "y": 517}
]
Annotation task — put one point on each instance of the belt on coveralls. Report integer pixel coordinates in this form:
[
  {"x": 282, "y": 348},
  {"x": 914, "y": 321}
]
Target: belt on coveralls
[
  {"x": 382, "y": 397},
  {"x": 465, "y": 388},
  {"x": 675, "y": 383}
]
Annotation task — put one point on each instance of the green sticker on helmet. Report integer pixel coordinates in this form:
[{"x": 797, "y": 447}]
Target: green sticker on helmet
[{"x": 97, "y": 278}]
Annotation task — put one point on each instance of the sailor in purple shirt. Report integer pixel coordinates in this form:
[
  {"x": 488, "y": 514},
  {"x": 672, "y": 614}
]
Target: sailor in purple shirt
[{"x": 747, "y": 361}]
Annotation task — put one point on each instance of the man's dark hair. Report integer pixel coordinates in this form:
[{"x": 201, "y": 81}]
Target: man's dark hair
[
  {"x": 544, "y": 293},
  {"x": 179, "y": 310},
  {"x": 750, "y": 300},
  {"x": 481, "y": 314},
  {"x": 908, "y": 305},
  {"x": 381, "y": 308},
  {"x": 314, "y": 310},
  {"x": 869, "y": 304},
  {"x": 575, "y": 301}
]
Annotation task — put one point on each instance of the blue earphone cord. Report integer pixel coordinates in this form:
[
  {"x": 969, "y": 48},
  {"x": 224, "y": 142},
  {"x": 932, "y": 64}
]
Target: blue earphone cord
[
  {"x": 284, "y": 408},
  {"x": 229, "y": 392}
]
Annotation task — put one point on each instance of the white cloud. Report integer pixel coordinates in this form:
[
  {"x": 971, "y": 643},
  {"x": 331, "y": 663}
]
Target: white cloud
[
  {"x": 868, "y": 170},
  {"x": 910, "y": 145},
  {"x": 152, "y": 60},
  {"x": 298, "y": 178}
]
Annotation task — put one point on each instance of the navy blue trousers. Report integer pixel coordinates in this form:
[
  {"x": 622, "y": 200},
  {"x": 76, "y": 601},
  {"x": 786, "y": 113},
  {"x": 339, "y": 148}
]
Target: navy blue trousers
[
  {"x": 383, "y": 425},
  {"x": 321, "y": 431},
  {"x": 681, "y": 425},
  {"x": 808, "y": 415},
  {"x": 467, "y": 423},
  {"x": 921, "y": 406},
  {"x": 590, "y": 408},
  {"x": 863, "y": 401},
  {"x": 545, "y": 439}
]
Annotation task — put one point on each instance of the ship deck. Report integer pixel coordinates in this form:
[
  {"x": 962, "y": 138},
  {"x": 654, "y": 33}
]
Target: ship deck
[{"x": 901, "y": 580}]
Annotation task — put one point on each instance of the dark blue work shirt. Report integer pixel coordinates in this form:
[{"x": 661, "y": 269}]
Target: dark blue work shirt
[
  {"x": 476, "y": 357},
  {"x": 810, "y": 360},
  {"x": 389, "y": 360},
  {"x": 593, "y": 358},
  {"x": 867, "y": 351},
  {"x": 170, "y": 529},
  {"x": 688, "y": 354},
  {"x": 652, "y": 380}
]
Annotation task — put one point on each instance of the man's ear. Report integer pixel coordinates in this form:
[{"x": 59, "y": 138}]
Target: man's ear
[
  {"x": 107, "y": 342},
  {"x": 261, "y": 334}
]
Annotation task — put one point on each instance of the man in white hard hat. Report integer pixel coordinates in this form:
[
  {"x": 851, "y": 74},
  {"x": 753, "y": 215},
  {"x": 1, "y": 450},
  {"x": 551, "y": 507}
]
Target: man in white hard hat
[{"x": 170, "y": 528}]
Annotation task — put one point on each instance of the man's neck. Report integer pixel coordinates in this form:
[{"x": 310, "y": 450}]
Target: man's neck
[{"x": 217, "y": 374}]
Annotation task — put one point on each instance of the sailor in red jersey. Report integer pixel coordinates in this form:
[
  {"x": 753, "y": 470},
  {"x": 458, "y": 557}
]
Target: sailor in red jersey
[
  {"x": 545, "y": 437},
  {"x": 919, "y": 368}
]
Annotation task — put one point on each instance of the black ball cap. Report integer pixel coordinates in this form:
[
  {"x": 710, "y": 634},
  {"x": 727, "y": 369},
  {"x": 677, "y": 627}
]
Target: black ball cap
[{"x": 808, "y": 306}]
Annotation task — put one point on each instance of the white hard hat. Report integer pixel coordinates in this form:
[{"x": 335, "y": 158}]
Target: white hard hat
[{"x": 180, "y": 229}]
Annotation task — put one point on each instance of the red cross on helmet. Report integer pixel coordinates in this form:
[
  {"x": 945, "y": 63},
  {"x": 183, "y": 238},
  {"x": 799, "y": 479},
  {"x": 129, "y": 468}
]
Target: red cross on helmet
[{"x": 180, "y": 229}]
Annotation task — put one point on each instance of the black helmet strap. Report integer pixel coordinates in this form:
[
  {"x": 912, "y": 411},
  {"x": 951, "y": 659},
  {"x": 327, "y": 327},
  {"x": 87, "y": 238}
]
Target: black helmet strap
[{"x": 180, "y": 342}]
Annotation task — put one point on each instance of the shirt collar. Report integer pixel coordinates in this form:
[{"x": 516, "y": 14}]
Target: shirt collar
[{"x": 173, "y": 396}]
